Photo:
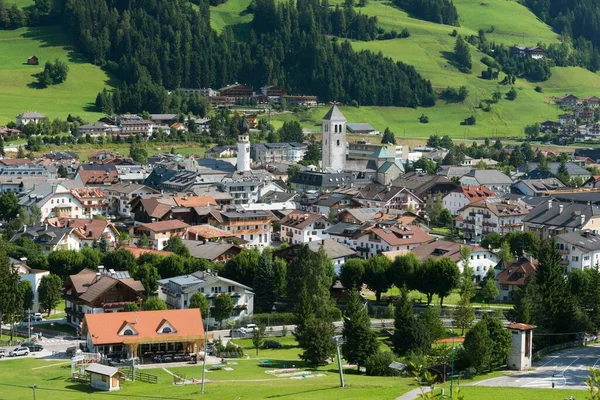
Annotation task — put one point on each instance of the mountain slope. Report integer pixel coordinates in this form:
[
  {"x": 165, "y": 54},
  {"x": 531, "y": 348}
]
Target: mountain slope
[{"x": 18, "y": 92}]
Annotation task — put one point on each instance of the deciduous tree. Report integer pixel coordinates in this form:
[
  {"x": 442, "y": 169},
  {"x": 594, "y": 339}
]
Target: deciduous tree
[{"x": 49, "y": 292}]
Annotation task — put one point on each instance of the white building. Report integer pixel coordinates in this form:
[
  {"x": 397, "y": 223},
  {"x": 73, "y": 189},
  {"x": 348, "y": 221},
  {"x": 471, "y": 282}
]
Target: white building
[
  {"x": 465, "y": 195},
  {"x": 301, "y": 227},
  {"x": 53, "y": 200},
  {"x": 579, "y": 249},
  {"x": 120, "y": 196},
  {"x": 29, "y": 116},
  {"x": 33, "y": 276},
  {"x": 334, "y": 140},
  {"x": 177, "y": 291},
  {"x": 491, "y": 215}
]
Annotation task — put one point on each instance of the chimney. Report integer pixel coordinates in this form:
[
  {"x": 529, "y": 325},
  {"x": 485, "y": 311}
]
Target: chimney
[
  {"x": 549, "y": 204},
  {"x": 560, "y": 208},
  {"x": 101, "y": 269},
  {"x": 582, "y": 219}
]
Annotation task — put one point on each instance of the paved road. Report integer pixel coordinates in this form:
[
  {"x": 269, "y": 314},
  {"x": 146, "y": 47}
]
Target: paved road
[{"x": 568, "y": 369}]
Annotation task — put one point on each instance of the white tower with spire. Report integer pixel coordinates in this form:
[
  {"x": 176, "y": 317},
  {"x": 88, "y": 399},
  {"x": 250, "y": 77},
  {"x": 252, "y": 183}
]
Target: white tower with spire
[
  {"x": 334, "y": 139},
  {"x": 243, "y": 147}
]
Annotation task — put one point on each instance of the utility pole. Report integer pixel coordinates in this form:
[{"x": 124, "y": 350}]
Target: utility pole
[
  {"x": 205, "y": 353},
  {"x": 338, "y": 339},
  {"x": 29, "y": 333},
  {"x": 452, "y": 371}
]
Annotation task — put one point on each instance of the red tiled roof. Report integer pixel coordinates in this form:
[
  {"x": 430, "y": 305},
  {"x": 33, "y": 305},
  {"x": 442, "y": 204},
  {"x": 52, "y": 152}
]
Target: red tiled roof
[
  {"x": 517, "y": 272},
  {"x": 90, "y": 229},
  {"x": 402, "y": 236},
  {"x": 301, "y": 219},
  {"x": 475, "y": 193},
  {"x": 521, "y": 327},
  {"x": 104, "y": 328},
  {"x": 209, "y": 231}
]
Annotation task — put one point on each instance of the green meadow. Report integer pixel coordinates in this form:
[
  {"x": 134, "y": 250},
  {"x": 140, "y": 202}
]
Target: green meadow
[{"x": 18, "y": 89}]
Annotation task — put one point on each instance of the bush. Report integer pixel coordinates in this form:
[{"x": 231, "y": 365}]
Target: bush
[
  {"x": 469, "y": 121},
  {"x": 378, "y": 364},
  {"x": 454, "y": 33},
  {"x": 274, "y": 319},
  {"x": 538, "y": 89},
  {"x": 404, "y": 34},
  {"x": 424, "y": 119},
  {"x": 335, "y": 313}
]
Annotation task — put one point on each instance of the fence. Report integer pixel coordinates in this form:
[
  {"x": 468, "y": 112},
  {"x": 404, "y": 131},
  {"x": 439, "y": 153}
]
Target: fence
[
  {"x": 555, "y": 347},
  {"x": 139, "y": 376}
]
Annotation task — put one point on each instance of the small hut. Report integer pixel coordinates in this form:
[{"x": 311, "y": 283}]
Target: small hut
[
  {"x": 103, "y": 377},
  {"x": 33, "y": 60}
]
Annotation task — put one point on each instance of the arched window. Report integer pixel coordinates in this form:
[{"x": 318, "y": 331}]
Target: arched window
[
  {"x": 325, "y": 142},
  {"x": 166, "y": 329},
  {"x": 338, "y": 142},
  {"x": 335, "y": 128},
  {"x": 127, "y": 332}
]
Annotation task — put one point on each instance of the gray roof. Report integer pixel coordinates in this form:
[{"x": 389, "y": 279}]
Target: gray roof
[
  {"x": 531, "y": 200},
  {"x": 208, "y": 251},
  {"x": 490, "y": 177},
  {"x": 128, "y": 188},
  {"x": 43, "y": 235},
  {"x": 360, "y": 127},
  {"x": 32, "y": 114},
  {"x": 102, "y": 369},
  {"x": 542, "y": 185},
  {"x": 333, "y": 248},
  {"x": 452, "y": 171},
  {"x": 162, "y": 116},
  {"x": 342, "y": 227},
  {"x": 192, "y": 282},
  {"x": 273, "y": 196},
  {"x": 570, "y": 217},
  {"x": 572, "y": 168},
  {"x": 586, "y": 240},
  {"x": 334, "y": 114}
]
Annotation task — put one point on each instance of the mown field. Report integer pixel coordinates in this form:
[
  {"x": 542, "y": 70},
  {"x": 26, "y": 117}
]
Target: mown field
[
  {"x": 18, "y": 89},
  {"x": 429, "y": 49}
]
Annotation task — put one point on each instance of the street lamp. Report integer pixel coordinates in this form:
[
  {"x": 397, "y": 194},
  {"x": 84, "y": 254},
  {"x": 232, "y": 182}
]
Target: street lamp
[
  {"x": 33, "y": 387},
  {"x": 205, "y": 350}
]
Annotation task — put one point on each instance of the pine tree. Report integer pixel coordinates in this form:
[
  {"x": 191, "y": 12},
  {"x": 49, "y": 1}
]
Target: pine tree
[
  {"x": 265, "y": 285},
  {"x": 462, "y": 55},
  {"x": 388, "y": 137},
  {"x": 411, "y": 333},
  {"x": 103, "y": 245},
  {"x": 360, "y": 341},
  {"x": 489, "y": 291},
  {"x": 478, "y": 346}
]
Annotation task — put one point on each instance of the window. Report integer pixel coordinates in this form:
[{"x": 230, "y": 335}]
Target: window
[
  {"x": 231, "y": 288},
  {"x": 104, "y": 378},
  {"x": 127, "y": 332},
  {"x": 166, "y": 329},
  {"x": 338, "y": 142}
]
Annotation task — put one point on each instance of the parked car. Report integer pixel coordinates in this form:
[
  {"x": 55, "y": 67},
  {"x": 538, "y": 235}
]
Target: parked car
[
  {"x": 239, "y": 332},
  {"x": 19, "y": 351},
  {"x": 71, "y": 351},
  {"x": 2, "y": 353},
  {"x": 251, "y": 328},
  {"x": 35, "y": 347},
  {"x": 271, "y": 344}
]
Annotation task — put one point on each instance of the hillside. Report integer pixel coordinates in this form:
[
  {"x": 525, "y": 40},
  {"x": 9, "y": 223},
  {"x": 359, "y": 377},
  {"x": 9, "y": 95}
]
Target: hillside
[
  {"x": 429, "y": 49},
  {"x": 17, "y": 92}
]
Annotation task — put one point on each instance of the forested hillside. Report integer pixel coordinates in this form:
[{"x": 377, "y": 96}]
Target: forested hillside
[
  {"x": 439, "y": 11},
  {"x": 156, "y": 45}
]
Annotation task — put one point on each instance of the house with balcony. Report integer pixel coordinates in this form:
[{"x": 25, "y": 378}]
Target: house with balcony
[
  {"x": 393, "y": 197},
  {"x": 579, "y": 249},
  {"x": 33, "y": 276},
  {"x": 326, "y": 203},
  {"x": 252, "y": 227},
  {"x": 302, "y": 227},
  {"x": 491, "y": 215},
  {"x": 178, "y": 290},
  {"x": 464, "y": 195},
  {"x": 160, "y": 232},
  {"x": 87, "y": 232},
  {"x": 119, "y": 197},
  {"x": 93, "y": 201},
  {"x": 49, "y": 238},
  {"x": 513, "y": 275},
  {"x": 554, "y": 217},
  {"x": 337, "y": 252},
  {"x": 98, "y": 292},
  {"x": 53, "y": 200},
  {"x": 481, "y": 259}
]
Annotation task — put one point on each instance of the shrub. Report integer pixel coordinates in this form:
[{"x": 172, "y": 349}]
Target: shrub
[
  {"x": 274, "y": 319},
  {"x": 378, "y": 364},
  {"x": 424, "y": 119},
  {"x": 538, "y": 89},
  {"x": 454, "y": 33}
]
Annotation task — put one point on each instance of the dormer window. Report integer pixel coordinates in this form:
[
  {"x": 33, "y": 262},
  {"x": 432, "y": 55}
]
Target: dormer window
[
  {"x": 166, "y": 329},
  {"x": 128, "y": 332}
]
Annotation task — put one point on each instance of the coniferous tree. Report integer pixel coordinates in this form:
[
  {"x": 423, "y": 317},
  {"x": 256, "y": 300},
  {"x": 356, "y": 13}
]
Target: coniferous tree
[
  {"x": 463, "y": 313},
  {"x": 462, "y": 55},
  {"x": 265, "y": 285},
  {"x": 478, "y": 346},
  {"x": 360, "y": 341},
  {"x": 410, "y": 334},
  {"x": 388, "y": 137}
]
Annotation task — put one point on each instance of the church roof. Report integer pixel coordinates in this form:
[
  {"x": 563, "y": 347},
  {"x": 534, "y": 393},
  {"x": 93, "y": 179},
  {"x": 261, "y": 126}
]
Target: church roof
[
  {"x": 334, "y": 113},
  {"x": 382, "y": 152}
]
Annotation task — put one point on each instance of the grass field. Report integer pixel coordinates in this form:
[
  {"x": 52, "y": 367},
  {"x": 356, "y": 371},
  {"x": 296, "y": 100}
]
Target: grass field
[
  {"x": 18, "y": 92},
  {"x": 20, "y": 3},
  {"x": 429, "y": 49},
  {"x": 84, "y": 150},
  {"x": 231, "y": 13}
]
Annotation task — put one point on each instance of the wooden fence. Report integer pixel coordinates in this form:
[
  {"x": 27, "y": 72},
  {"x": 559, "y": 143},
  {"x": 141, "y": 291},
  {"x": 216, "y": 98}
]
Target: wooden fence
[{"x": 139, "y": 375}]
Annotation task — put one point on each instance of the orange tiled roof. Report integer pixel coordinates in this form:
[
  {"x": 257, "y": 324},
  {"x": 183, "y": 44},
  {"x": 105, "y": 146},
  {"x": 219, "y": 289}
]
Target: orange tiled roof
[
  {"x": 163, "y": 226},
  {"x": 104, "y": 328},
  {"x": 195, "y": 201},
  {"x": 475, "y": 193},
  {"x": 209, "y": 231}
]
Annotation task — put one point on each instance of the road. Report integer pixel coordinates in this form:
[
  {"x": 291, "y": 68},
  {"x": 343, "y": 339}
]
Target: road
[{"x": 568, "y": 369}]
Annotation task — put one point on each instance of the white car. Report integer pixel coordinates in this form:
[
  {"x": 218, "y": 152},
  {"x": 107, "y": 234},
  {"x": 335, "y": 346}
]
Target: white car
[
  {"x": 19, "y": 351},
  {"x": 251, "y": 328}
]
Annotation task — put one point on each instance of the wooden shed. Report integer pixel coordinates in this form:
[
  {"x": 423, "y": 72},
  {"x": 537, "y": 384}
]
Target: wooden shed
[
  {"x": 33, "y": 60},
  {"x": 103, "y": 377}
]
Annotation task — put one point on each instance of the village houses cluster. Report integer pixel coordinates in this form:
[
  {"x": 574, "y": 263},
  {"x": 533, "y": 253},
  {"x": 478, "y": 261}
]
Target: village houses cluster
[{"x": 360, "y": 202}]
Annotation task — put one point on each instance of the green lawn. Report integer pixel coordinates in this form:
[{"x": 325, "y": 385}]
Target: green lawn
[
  {"x": 18, "y": 92},
  {"x": 496, "y": 393},
  {"x": 20, "y": 3},
  {"x": 64, "y": 328},
  {"x": 231, "y": 13},
  {"x": 84, "y": 150}
]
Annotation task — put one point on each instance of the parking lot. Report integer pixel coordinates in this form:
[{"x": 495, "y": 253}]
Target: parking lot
[{"x": 566, "y": 369}]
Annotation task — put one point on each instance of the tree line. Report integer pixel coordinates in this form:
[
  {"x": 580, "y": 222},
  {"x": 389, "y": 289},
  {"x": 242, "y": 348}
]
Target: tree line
[
  {"x": 156, "y": 46},
  {"x": 438, "y": 11}
]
